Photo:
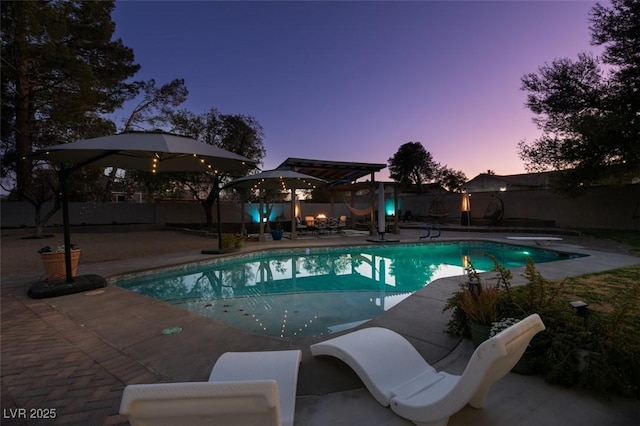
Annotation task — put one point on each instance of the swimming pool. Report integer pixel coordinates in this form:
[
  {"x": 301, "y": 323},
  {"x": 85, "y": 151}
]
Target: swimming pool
[{"x": 316, "y": 291}]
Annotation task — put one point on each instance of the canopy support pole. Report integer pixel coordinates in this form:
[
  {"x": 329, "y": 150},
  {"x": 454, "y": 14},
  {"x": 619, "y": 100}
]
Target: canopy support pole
[
  {"x": 261, "y": 234},
  {"x": 293, "y": 215},
  {"x": 64, "y": 190},
  {"x": 219, "y": 219}
]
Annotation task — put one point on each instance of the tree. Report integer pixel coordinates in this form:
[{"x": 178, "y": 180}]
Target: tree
[
  {"x": 590, "y": 120},
  {"x": 157, "y": 103},
  {"x": 61, "y": 72},
  {"x": 412, "y": 164},
  {"x": 153, "y": 110},
  {"x": 452, "y": 180},
  {"x": 239, "y": 134}
]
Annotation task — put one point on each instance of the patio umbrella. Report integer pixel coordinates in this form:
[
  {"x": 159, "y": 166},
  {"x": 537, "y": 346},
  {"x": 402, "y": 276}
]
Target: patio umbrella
[
  {"x": 277, "y": 179},
  {"x": 149, "y": 151}
]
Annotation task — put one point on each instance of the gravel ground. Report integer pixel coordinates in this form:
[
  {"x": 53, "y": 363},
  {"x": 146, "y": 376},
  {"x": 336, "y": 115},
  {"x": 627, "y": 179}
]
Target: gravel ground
[{"x": 19, "y": 254}]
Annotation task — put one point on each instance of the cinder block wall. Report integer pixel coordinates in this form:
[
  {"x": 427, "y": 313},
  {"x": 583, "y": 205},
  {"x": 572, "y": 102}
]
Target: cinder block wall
[{"x": 600, "y": 207}]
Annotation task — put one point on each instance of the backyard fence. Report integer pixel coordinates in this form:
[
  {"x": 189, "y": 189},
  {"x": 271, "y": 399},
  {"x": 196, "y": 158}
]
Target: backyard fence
[{"x": 599, "y": 207}]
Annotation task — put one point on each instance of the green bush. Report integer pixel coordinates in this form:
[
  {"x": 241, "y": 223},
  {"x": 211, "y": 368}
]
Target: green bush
[
  {"x": 613, "y": 359},
  {"x": 232, "y": 240},
  {"x": 600, "y": 352}
]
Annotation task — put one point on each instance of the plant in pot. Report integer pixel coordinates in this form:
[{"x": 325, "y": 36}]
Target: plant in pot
[
  {"x": 476, "y": 306},
  {"x": 276, "y": 231},
  {"x": 54, "y": 261},
  {"x": 231, "y": 241},
  {"x": 479, "y": 304}
]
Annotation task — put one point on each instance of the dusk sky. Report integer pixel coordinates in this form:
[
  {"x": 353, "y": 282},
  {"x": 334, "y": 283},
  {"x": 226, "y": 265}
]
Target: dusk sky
[{"x": 352, "y": 81}]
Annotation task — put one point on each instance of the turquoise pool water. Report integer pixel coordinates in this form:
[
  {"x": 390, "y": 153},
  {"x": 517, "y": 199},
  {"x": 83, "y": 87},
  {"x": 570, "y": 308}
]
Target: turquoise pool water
[{"x": 304, "y": 292}]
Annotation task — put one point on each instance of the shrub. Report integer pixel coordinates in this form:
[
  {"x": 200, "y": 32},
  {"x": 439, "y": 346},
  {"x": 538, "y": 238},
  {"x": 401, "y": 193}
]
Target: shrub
[
  {"x": 600, "y": 352},
  {"x": 480, "y": 306},
  {"x": 614, "y": 346},
  {"x": 232, "y": 240}
]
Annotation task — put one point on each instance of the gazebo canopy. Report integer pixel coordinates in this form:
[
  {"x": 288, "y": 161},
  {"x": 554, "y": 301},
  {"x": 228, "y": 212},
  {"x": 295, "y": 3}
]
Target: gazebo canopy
[
  {"x": 277, "y": 179},
  {"x": 336, "y": 173}
]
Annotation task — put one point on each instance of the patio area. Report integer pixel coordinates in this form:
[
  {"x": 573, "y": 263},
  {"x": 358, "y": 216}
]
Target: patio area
[{"x": 73, "y": 355}]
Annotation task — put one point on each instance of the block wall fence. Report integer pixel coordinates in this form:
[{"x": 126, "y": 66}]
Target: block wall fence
[{"x": 599, "y": 207}]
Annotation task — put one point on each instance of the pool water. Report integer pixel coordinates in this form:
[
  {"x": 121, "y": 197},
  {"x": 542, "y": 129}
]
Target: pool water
[{"x": 311, "y": 292}]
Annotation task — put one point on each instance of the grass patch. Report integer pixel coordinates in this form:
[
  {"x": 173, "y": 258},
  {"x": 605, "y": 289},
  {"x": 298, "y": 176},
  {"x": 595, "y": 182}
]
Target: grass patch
[
  {"x": 630, "y": 238},
  {"x": 610, "y": 336},
  {"x": 603, "y": 291}
]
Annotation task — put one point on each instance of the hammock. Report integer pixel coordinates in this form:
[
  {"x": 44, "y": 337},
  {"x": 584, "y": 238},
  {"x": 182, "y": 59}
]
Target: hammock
[{"x": 358, "y": 212}]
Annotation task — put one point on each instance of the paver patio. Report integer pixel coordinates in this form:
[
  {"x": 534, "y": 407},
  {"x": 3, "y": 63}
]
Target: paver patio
[{"x": 76, "y": 353}]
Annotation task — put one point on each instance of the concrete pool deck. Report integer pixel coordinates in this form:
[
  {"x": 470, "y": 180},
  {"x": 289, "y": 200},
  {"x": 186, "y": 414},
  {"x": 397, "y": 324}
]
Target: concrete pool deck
[{"x": 76, "y": 353}]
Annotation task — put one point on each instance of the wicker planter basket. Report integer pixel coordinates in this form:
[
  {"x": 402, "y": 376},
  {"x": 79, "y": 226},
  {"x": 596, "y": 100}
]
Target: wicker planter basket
[{"x": 54, "y": 265}]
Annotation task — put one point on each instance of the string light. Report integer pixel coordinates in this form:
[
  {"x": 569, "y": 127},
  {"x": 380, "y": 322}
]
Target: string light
[
  {"x": 284, "y": 323},
  {"x": 209, "y": 167},
  {"x": 283, "y": 184}
]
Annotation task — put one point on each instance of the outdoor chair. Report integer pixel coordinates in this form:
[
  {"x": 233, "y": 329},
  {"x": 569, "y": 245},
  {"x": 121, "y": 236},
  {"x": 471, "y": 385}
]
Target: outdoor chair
[
  {"x": 244, "y": 388},
  {"x": 310, "y": 222},
  {"x": 408, "y": 216},
  {"x": 493, "y": 214},
  {"x": 321, "y": 224},
  {"x": 438, "y": 210},
  {"x": 397, "y": 375},
  {"x": 332, "y": 225},
  {"x": 342, "y": 223},
  {"x": 301, "y": 228}
]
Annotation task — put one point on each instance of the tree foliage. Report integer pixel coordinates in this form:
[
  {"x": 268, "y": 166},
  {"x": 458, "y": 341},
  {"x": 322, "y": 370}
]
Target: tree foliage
[
  {"x": 240, "y": 134},
  {"x": 452, "y": 180},
  {"x": 412, "y": 164},
  {"x": 61, "y": 72},
  {"x": 590, "y": 114},
  {"x": 157, "y": 104}
]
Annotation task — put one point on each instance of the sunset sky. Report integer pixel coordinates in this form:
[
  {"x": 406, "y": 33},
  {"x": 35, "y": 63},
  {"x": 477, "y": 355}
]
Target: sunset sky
[{"x": 352, "y": 81}]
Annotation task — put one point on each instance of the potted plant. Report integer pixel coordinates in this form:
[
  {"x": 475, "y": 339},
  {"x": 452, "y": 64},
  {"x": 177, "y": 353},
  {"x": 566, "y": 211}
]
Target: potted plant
[
  {"x": 232, "y": 241},
  {"x": 238, "y": 240},
  {"x": 276, "y": 231},
  {"x": 479, "y": 304},
  {"x": 476, "y": 305},
  {"x": 54, "y": 262}
]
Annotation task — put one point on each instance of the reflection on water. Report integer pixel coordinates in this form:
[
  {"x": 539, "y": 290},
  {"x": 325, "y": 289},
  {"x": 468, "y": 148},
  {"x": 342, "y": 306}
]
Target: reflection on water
[{"x": 319, "y": 291}]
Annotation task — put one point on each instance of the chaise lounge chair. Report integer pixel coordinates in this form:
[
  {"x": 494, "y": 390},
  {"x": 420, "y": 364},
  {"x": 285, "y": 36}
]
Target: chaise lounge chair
[
  {"x": 244, "y": 388},
  {"x": 397, "y": 375}
]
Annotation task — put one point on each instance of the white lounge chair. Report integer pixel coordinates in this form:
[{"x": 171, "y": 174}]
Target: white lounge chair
[
  {"x": 244, "y": 388},
  {"x": 397, "y": 375}
]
